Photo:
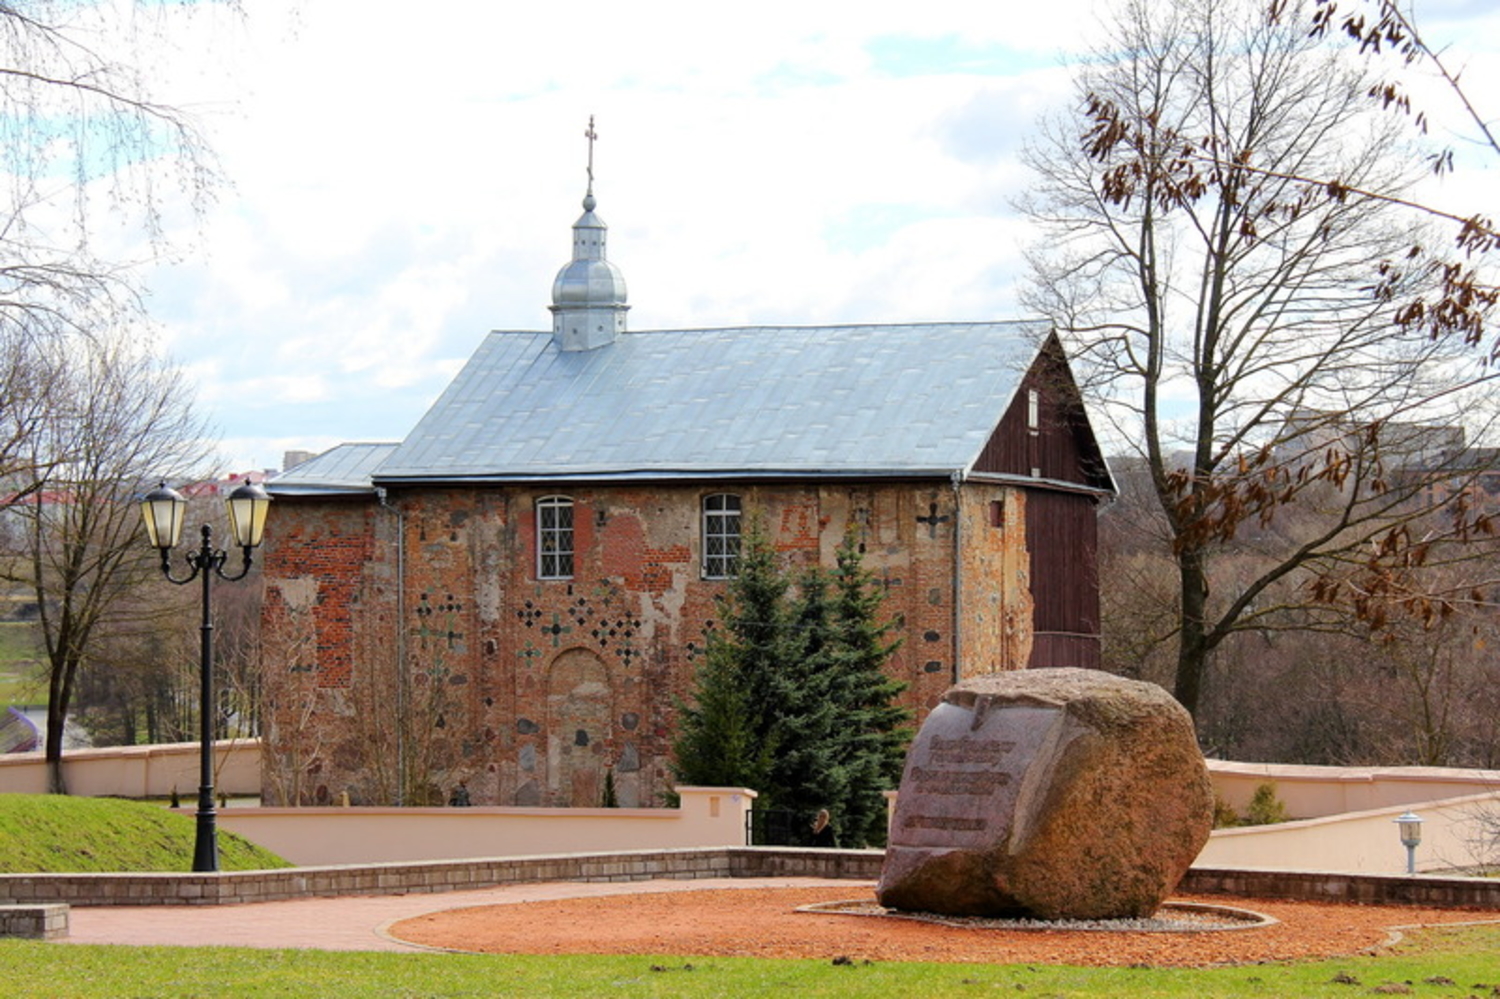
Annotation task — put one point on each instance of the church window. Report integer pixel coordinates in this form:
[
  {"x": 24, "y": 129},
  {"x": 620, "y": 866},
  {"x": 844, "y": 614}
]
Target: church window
[
  {"x": 721, "y": 535},
  {"x": 554, "y": 537}
]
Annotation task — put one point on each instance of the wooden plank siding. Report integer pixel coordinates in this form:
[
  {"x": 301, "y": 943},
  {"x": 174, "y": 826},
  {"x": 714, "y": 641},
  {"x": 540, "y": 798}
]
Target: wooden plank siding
[
  {"x": 1062, "y": 535},
  {"x": 1061, "y": 447},
  {"x": 1061, "y": 526}
]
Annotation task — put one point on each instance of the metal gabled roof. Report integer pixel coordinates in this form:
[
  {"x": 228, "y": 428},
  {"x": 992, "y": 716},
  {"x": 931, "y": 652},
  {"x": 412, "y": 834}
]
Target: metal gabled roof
[
  {"x": 345, "y": 469},
  {"x": 913, "y": 399}
]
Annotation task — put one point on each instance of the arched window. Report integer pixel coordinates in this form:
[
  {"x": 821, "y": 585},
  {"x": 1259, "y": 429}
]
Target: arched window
[
  {"x": 721, "y": 535},
  {"x": 554, "y": 537}
]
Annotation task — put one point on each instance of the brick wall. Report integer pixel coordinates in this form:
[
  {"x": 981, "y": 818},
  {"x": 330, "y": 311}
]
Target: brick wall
[{"x": 527, "y": 690}]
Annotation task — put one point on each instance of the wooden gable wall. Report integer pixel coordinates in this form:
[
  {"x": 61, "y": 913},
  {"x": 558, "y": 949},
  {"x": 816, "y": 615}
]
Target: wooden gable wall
[
  {"x": 1062, "y": 447},
  {"x": 1061, "y": 527}
]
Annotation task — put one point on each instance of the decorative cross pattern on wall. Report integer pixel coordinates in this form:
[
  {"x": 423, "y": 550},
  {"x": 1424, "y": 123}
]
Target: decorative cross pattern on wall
[
  {"x": 695, "y": 649},
  {"x": 606, "y": 626},
  {"x": 556, "y": 630},
  {"x": 529, "y": 614},
  {"x": 440, "y": 620},
  {"x": 860, "y": 524},
  {"x": 932, "y": 520}
]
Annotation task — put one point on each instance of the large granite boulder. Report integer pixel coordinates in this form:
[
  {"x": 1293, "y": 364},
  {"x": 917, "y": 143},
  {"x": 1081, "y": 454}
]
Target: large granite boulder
[{"x": 1054, "y": 793}]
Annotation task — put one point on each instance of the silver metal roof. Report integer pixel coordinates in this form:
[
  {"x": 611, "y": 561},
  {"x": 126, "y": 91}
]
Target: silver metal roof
[
  {"x": 346, "y": 468},
  {"x": 917, "y": 399}
]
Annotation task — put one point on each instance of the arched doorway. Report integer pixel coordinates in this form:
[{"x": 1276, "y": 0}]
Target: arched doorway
[{"x": 579, "y": 711}]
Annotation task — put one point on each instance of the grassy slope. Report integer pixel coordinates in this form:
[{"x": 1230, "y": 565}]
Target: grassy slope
[
  {"x": 56, "y": 833},
  {"x": 20, "y": 680},
  {"x": 1465, "y": 957}
]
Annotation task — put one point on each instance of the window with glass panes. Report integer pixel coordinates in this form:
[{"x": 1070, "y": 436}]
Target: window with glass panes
[
  {"x": 721, "y": 535},
  {"x": 554, "y": 538}
]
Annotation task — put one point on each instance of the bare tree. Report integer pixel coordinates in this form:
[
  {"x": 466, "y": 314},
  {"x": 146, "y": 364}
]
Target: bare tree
[
  {"x": 1384, "y": 29},
  {"x": 120, "y": 419},
  {"x": 83, "y": 136},
  {"x": 1221, "y": 312}
]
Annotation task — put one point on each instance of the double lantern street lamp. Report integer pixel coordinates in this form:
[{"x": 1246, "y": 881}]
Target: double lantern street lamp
[{"x": 163, "y": 511}]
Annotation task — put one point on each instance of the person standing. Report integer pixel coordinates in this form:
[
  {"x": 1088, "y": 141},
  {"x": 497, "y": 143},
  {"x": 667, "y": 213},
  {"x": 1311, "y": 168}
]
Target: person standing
[{"x": 822, "y": 830}]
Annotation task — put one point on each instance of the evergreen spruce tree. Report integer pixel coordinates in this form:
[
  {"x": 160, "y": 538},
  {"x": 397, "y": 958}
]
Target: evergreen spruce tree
[
  {"x": 715, "y": 745},
  {"x": 809, "y": 771},
  {"x": 728, "y": 736},
  {"x": 755, "y": 633},
  {"x": 874, "y": 731},
  {"x": 792, "y": 698}
]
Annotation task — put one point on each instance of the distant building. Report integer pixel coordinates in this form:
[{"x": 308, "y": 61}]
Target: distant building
[
  {"x": 517, "y": 594},
  {"x": 211, "y": 488},
  {"x": 291, "y": 459},
  {"x": 1435, "y": 459}
]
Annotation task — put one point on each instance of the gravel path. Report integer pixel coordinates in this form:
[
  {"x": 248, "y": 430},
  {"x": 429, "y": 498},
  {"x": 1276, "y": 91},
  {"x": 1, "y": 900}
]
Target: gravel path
[{"x": 763, "y": 922}]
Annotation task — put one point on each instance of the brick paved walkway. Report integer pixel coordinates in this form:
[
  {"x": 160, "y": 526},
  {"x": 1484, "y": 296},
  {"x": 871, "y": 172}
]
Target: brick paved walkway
[{"x": 354, "y": 922}]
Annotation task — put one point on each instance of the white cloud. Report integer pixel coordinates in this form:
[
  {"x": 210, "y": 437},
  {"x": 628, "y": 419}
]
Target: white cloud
[{"x": 405, "y": 179}]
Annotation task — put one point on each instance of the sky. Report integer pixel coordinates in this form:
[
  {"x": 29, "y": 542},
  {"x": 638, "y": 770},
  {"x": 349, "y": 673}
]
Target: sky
[{"x": 402, "y": 180}]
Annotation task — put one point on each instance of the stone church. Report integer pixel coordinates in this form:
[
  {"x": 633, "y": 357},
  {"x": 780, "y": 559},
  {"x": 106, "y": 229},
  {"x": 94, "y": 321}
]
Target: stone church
[{"x": 513, "y": 599}]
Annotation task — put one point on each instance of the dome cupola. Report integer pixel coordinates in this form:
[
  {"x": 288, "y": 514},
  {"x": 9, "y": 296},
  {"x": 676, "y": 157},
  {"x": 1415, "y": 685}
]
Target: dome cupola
[{"x": 588, "y": 296}]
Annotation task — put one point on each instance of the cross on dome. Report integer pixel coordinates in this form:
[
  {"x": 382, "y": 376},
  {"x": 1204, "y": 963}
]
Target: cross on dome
[
  {"x": 588, "y": 296},
  {"x": 592, "y": 136}
]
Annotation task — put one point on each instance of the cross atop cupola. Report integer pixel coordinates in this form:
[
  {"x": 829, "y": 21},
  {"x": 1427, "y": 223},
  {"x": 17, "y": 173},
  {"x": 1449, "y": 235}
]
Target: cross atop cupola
[{"x": 588, "y": 296}]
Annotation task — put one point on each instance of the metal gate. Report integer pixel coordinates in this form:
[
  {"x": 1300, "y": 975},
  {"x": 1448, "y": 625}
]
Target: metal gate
[{"x": 777, "y": 827}]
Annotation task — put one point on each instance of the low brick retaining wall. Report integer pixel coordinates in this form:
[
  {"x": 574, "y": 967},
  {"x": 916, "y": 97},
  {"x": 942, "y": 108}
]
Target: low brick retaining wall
[
  {"x": 34, "y": 922},
  {"x": 231, "y": 888},
  {"x": 1329, "y": 886},
  {"x": 227, "y": 888}
]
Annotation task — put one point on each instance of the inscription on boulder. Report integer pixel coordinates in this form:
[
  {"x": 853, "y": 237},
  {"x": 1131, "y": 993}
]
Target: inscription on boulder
[
  {"x": 1054, "y": 793},
  {"x": 960, "y": 790}
]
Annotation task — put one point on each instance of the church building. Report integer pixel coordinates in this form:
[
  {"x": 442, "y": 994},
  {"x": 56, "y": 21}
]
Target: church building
[{"x": 514, "y": 599}]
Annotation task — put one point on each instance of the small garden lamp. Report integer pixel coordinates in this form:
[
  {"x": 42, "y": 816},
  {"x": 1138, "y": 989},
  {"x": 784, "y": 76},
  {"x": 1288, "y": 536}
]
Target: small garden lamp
[
  {"x": 1410, "y": 825},
  {"x": 163, "y": 510}
]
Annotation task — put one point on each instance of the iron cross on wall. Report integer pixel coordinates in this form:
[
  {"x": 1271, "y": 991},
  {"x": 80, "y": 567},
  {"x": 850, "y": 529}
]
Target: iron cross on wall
[{"x": 932, "y": 520}]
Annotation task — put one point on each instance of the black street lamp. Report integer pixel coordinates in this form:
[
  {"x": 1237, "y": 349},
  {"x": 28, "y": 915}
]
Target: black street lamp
[{"x": 163, "y": 511}]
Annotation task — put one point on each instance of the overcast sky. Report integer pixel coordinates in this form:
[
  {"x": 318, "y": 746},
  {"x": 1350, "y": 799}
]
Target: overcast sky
[{"x": 404, "y": 179}]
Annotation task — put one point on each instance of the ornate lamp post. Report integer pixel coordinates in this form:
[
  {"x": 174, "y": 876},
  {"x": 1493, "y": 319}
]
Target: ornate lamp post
[
  {"x": 1410, "y": 826},
  {"x": 163, "y": 511}
]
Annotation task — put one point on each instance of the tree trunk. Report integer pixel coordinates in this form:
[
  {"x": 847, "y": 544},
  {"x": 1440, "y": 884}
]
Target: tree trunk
[
  {"x": 57, "y": 716},
  {"x": 1192, "y": 647}
]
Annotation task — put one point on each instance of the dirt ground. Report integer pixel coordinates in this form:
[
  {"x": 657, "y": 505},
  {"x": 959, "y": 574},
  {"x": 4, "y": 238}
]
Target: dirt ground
[{"x": 763, "y": 922}]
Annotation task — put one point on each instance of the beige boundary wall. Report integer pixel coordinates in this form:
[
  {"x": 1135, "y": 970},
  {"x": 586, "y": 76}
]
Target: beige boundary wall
[
  {"x": 138, "y": 771},
  {"x": 1312, "y": 792},
  {"x": 1345, "y": 818},
  {"x": 1345, "y": 814},
  {"x": 706, "y": 817},
  {"x": 1307, "y": 791},
  {"x": 1453, "y": 837}
]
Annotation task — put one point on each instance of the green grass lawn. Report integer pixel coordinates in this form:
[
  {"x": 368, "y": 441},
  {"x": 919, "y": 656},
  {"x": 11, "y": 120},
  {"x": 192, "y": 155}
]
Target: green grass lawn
[
  {"x": 57, "y": 833},
  {"x": 1449, "y": 962},
  {"x": 20, "y": 680}
]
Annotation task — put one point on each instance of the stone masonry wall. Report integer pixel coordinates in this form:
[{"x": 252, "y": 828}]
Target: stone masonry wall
[
  {"x": 529, "y": 690},
  {"x": 326, "y": 656}
]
